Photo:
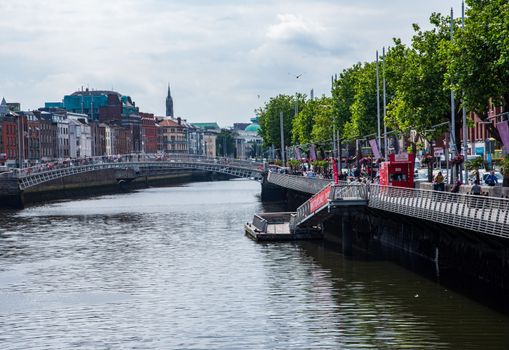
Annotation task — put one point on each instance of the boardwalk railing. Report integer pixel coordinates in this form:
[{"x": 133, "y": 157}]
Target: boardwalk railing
[
  {"x": 297, "y": 183},
  {"x": 260, "y": 223},
  {"x": 489, "y": 215},
  {"x": 477, "y": 213},
  {"x": 323, "y": 198}
]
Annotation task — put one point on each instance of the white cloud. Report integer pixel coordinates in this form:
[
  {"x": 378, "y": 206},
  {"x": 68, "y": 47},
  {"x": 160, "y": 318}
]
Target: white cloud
[
  {"x": 291, "y": 26},
  {"x": 218, "y": 55}
]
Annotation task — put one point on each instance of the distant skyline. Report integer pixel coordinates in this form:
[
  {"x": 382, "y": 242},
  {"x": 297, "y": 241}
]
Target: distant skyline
[{"x": 223, "y": 58}]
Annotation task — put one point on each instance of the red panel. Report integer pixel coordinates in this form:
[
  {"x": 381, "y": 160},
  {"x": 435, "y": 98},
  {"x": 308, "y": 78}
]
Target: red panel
[{"x": 320, "y": 199}]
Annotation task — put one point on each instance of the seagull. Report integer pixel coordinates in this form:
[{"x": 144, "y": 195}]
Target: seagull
[{"x": 296, "y": 76}]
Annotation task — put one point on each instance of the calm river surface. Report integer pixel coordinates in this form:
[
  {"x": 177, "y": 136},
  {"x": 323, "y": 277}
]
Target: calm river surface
[{"x": 170, "y": 268}]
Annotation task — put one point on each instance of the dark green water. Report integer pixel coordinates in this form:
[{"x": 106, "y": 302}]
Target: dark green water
[{"x": 170, "y": 268}]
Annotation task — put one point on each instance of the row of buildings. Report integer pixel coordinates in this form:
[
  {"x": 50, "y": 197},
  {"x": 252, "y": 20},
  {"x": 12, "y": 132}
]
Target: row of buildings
[{"x": 89, "y": 123}]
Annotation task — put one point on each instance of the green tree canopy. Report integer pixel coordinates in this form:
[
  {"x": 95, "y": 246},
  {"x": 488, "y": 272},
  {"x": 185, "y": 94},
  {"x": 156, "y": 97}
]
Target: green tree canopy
[
  {"x": 269, "y": 118},
  {"x": 343, "y": 95},
  {"x": 323, "y": 119},
  {"x": 363, "y": 110},
  {"x": 479, "y": 57},
  {"x": 225, "y": 143},
  {"x": 417, "y": 75}
]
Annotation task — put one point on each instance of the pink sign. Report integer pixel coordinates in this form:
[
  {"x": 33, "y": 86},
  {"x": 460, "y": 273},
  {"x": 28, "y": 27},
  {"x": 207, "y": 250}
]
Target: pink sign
[
  {"x": 503, "y": 130},
  {"x": 374, "y": 148},
  {"x": 319, "y": 199}
]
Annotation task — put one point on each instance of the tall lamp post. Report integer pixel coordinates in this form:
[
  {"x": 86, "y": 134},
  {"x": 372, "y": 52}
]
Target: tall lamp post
[{"x": 283, "y": 159}]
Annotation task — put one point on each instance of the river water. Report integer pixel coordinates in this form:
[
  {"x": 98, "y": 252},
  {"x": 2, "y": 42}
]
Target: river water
[{"x": 170, "y": 268}]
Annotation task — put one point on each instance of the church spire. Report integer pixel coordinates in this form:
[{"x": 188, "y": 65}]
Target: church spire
[
  {"x": 4, "y": 109},
  {"x": 169, "y": 103}
]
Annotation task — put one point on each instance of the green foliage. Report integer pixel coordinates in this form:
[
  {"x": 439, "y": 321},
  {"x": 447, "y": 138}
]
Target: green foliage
[
  {"x": 293, "y": 163},
  {"x": 474, "y": 164},
  {"x": 269, "y": 118},
  {"x": 302, "y": 125},
  {"x": 320, "y": 164},
  {"x": 505, "y": 166},
  {"x": 479, "y": 58},
  {"x": 343, "y": 95},
  {"x": 225, "y": 143},
  {"x": 419, "y": 78},
  {"x": 323, "y": 119},
  {"x": 420, "y": 100},
  {"x": 313, "y": 123},
  {"x": 363, "y": 109}
]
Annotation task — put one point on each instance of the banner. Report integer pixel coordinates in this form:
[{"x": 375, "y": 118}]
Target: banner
[
  {"x": 296, "y": 150},
  {"x": 312, "y": 152},
  {"x": 503, "y": 130},
  {"x": 320, "y": 199},
  {"x": 374, "y": 148},
  {"x": 335, "y": 170}
]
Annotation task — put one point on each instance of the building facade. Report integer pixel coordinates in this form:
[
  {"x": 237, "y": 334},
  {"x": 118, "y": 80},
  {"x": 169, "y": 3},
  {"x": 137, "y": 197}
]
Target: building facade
[{"x": 173, "y": 136}]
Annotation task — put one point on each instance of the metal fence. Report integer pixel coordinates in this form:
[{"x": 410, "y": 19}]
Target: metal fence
[
  {"x": 298, "y": 183},
  {"x": 342, "y": 191},
  {"x": 477, "y": 213},
  {"x": 350, "y": 191},
  {"x": 489, "y": 215}
]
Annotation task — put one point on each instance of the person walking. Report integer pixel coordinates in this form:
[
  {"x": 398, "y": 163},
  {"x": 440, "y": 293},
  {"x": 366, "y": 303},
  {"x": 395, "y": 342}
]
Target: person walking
[
  {"x": 476, "y": 188},
  {"x": 476, "y": 192},
  {"x": 456, "y": 187},
  {"x": 491, "y": 179},
  {"x": 438, "y": 182}
]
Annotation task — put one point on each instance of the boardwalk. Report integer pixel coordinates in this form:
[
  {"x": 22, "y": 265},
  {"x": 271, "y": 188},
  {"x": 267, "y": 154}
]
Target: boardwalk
[{"x": 488, "y": 215}]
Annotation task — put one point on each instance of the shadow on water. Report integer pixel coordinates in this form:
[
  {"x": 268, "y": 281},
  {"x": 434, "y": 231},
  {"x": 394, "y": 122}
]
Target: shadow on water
[{"x": 400, "y": 291}]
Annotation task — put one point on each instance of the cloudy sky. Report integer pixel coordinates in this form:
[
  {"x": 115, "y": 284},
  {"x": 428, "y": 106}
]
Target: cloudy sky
[{"x": 223, "y": 58}]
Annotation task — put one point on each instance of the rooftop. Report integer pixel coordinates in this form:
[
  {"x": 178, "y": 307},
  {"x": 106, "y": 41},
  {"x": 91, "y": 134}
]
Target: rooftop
[{"x": 207, "y": 125}]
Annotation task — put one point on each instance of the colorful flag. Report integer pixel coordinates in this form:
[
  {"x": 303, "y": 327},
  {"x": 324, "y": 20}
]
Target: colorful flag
[
  {"x": 374, "y": 148},
  {"x": 297, "y": 153},
  {"x": 503, "y": 130},
  {"x": 312, "y": 152}
]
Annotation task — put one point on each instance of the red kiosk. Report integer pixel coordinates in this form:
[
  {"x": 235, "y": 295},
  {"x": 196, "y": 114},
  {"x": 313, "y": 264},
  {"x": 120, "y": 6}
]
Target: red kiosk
[{"x": 399, "y": 171}]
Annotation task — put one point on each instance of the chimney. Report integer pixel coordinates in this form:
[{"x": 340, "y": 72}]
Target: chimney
[{"x": 179, "y": 120}]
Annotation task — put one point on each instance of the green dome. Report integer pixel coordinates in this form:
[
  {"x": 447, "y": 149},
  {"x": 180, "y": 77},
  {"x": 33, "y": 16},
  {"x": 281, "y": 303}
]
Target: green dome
[{"x": 252, "y": 127}]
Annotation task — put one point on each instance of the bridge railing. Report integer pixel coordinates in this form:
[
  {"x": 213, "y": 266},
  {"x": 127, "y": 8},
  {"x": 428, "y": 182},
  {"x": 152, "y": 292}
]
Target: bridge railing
[
  {"x": 136, "y": 158},
  {"x": 350, "y": 191},
  {"x": 477, "y": 213},
  {"x": 298, "y": 183}
]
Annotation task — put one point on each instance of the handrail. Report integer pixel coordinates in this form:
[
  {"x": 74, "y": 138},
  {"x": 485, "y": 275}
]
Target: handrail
[
  {"x": 139, "y": 158},
  {"x": 489, "y": 215},
  {"x": 476, "y": 213},
  {"x": 297, "y": 183},
  {"x": 28, "y": 178},
  {"x": 260, "y": 223}
]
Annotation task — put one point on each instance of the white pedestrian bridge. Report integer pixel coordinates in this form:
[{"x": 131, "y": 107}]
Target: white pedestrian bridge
[{"x": 140, "y": 164}]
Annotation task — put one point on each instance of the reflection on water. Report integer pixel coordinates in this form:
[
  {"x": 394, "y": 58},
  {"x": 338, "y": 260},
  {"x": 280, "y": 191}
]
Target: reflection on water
[{"x": 170, "y": 268}]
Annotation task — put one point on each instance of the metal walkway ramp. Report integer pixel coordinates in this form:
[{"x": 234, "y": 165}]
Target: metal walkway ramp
[{"x": 325, "y": 202}]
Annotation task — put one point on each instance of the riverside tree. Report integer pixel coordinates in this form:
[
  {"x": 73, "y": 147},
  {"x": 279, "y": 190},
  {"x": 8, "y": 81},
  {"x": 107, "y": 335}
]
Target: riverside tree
[
  {"x": 479, "y": 58},
  {"x": 269, "y": 118},
  {"x": 313, "y": 123},
  {"x": 421, "y": 100}
]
